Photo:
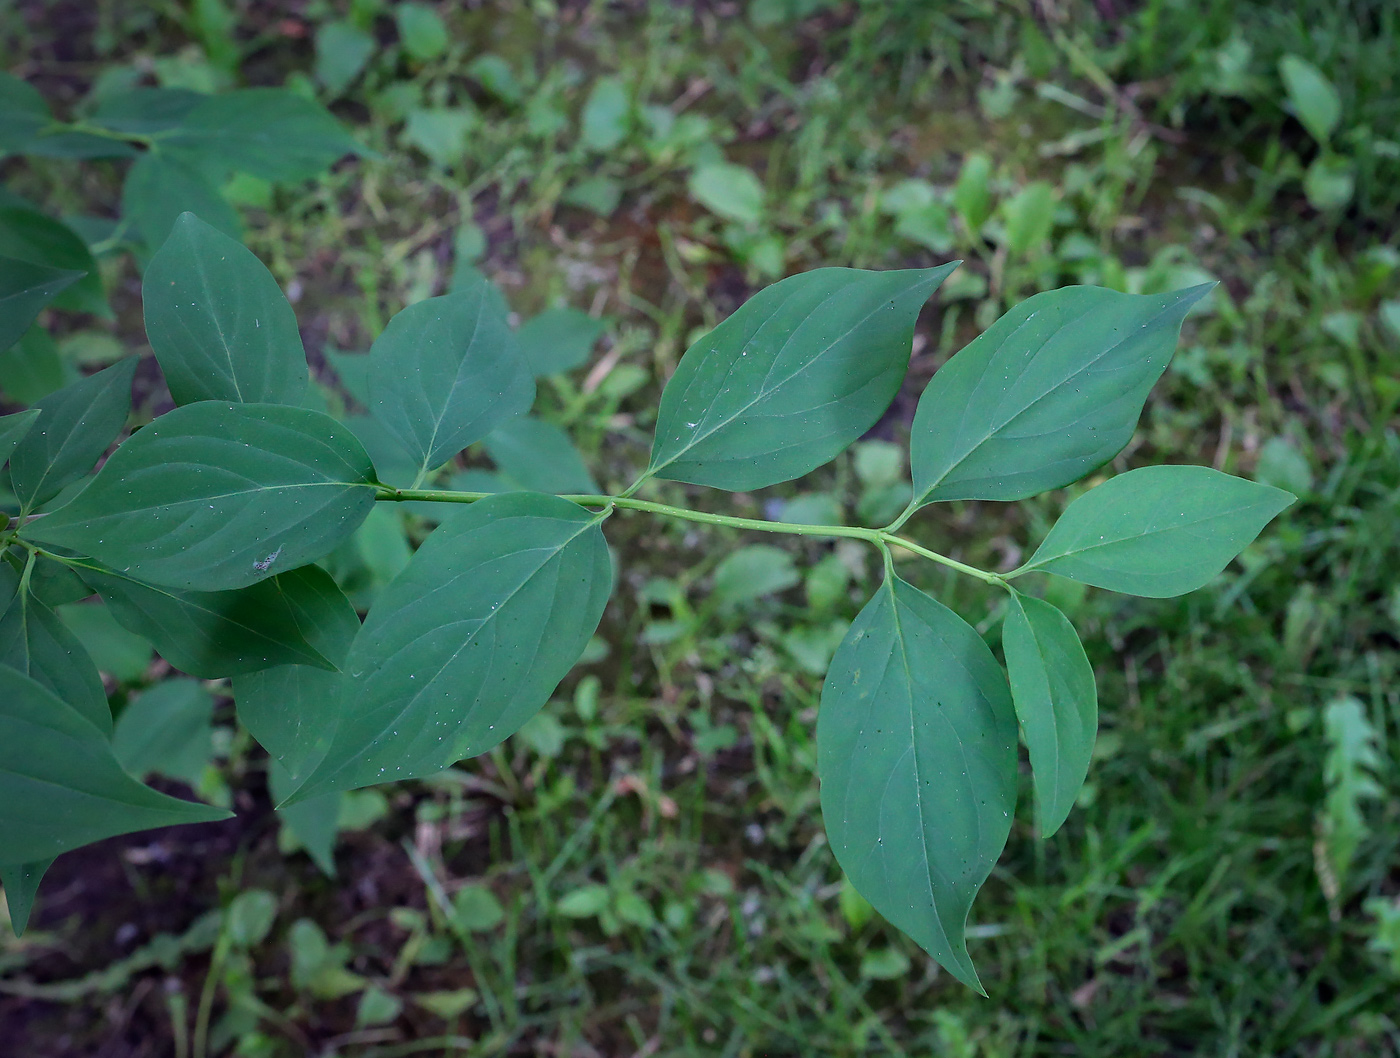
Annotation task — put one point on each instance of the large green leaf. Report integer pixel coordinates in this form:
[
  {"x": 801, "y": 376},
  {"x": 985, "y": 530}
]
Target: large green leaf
[
  {"x": 292, "y": 710},
  {"x": 29, "y": 235},
  {"x": 60, "y": 783},
  {"x": 159, "y": 188},
  {"x": 801, "y": 370},
  {"x": 916, "y": 749},
  {"x": 23, "y": 114},
  {"x": 21, "y": 882},
  {"x": 1157, "y": 531},
  {"x": 218, "y": 322},
  {"x": 167, "y": 730},
  {"x": 1050, "y": 391},
  {"x": 12, "y": 430},
  {"x": 35, "y": 642},
  {"x": 213, "y": 496},
  {"x": 144, "y": 111},
  {"x": 446, "y": 372},
  {"x": 559, "y": 340},
  {"x": 76, "y": 425},
  {"x": 1052, "y": 685},
  {"x": 538, "y": 456},
  {"x": 212, "y": 634},
  {"x": 469, "y": 641},
  {"x": 31, "y": 369},
  {"x": 269, "y": 132},
  {"x": 25, "y": 288}
]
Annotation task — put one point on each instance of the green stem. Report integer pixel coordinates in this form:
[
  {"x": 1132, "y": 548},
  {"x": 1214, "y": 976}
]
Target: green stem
[{"x": 882, "y": 538}]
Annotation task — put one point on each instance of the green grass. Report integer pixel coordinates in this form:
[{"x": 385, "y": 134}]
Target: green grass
[{"x": 656, "y": 845}]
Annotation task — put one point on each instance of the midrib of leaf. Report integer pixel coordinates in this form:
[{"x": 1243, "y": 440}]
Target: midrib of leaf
[
  {"x": 767, "y": 390},
  {"x": 1054, "y": 718},
  {"x": 218, "y": 325},
  {"x": 997, "y": 427},
  {"x": 457, "y": 381}
]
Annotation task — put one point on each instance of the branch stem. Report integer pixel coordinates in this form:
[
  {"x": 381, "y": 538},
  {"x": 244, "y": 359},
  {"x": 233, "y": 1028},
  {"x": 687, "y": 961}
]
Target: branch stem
[{"x": 881, "y": 538}]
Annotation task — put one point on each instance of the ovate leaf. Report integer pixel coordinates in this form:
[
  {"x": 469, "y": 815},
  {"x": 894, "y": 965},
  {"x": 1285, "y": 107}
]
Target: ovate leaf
[
  {"x": 25, "y": 288},
  {"x": 23, "y": 114},
  {"x": 1050, "y": 391},
  {"x": 29, "y": 235},
  {"x": 144, "y": 111},
  {"x": 35, "y": 642},
  {"x": 469, "y": 641},
  {"x": 21, "y": 882},
  {"x": 1052, "y": 685},
  {"x": 218, "y": 322},
  {"x": 159, "y": 189},
  {"x": 167, "y": 730},
  {"x": 269, "y": 132},
  {"x": 76, "y": 425},
  {"x": 538, "y": 456},
  {"x": 211, "y": 634},
  {"x": 60, "y": 783},
  {"x": 292, "y": 710},
  {"x": 1312, "y": 96},
  {"x": 12, "y": 430},
  {"x": 801, "y": 370},
  {"x": 214, "y": 496},
  {"x": 916, "y": 749},
  {"x": 1157, "y": 531},
  {"x": 559, "y": 340},
  {"x": 446, "y": 372}
]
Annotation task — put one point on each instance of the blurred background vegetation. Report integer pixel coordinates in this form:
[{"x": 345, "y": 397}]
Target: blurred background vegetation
[{"x": 641, "y": 870}]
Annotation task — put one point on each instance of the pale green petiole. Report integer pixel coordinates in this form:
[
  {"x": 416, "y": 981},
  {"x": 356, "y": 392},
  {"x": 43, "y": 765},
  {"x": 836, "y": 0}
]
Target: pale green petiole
[{"x": 881, "y": 538}]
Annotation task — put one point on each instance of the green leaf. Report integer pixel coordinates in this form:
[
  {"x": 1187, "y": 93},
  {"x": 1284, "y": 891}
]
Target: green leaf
[
  {"x": 146, "y": 111},
  {"x": 732, "y": 191},
  {"x": 1312, "y": 96},
  {"x": 1052, "y": 685},
  {"x": 23, "y": 114},
  {"x": 13, "y": 429},
  {"x": 21, "y": 882},
  {"x": 442, "y": 133},
  {"x": 122, "y": 654},
  {"x": 916, "y": 749},
  {"x": 28, "y": 235},
  {"x": 292, "y": 710},
  {"x": 476, "y": 909},
  {"x": 801, "y": 370},
  {"x": 26, "y": 288},
  {"x": 269, "y": 132},
  {"x": 31, "y": 369},
  {"x": 313, "y": 822},
  {"x": 160, "y": 189},
  {"x": 539, "y": 457},
  {"x": 422, "y": 32},
  {"x": 218, "y": 322},
  {"x": 1157, "y": 531},
  {"x": 61, "y": 784},
  {"x": 1030, "y": 217},
  {"x": 1049, "y": 392},
  {"x": 35, "y": 642},
  {"x": 752, "y": 572},
  {"x": 469, "y": 641},
  {"x": 446, "y": 372},
  {"x": 972, "y": 194},
  {"x": 167, "y": 730},
  {"x": 342, "y": 52},
  {"x": 559, "y": 340},
  {"x": 214, "y": 495},
  {"x": 76, "y": 425},
  {"x": 607, "y": 115},
  {"x": 211, "y": 634}
]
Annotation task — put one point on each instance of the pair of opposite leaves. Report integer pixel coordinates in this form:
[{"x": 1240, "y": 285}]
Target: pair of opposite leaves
[{"x": 802, "y": 370}]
